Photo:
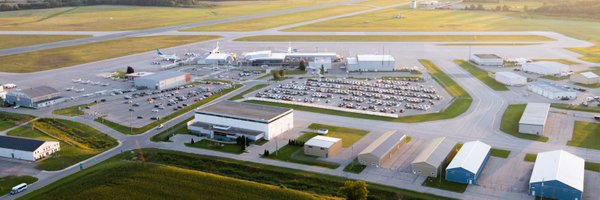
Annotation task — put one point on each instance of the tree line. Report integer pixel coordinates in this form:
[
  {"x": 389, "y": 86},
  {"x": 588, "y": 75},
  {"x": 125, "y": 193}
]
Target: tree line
[
  {"x": 583, "y": 8},
  {"x": 41, "y": 4}
]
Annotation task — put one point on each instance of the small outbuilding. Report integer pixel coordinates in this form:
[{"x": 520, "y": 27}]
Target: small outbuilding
[
  {"x": 557, "y": 175},
  {"x": 322, "y": 146},
  {"x": 382, "y": 149},
  {"x": 546, "y": 68},
  {"x": 487, "y": 60},
  {"x": 551, "y": 91},
  {"x": 431, "y": 161},
  {"x": 36, "y": 97},
  {"x": 510, "y": 78},
  {"x": 26, "y": 149},
  {"x": 533, "y": 120},
  {"x": 467, "y": 165},
  {"x": 587, "y": 78}
]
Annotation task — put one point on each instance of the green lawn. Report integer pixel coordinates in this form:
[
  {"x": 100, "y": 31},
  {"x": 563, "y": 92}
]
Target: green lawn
[
  {"x": 590, "y": 108},
  {"x": 135, "y": 131},
  {"x": 500, "y": 153},
  {"x": 586, "y": 135},
  {"x": 13, "y": 41},
  {"x": 394, "y": 38},
  {"x": 349, "y": 136},
  {"x": 9, "y": 120},
  {"x": 216, "y": 146},
  {"x": 563, "y": 61},
  {"x": 592, "y": 166},
  {"x": 441, "y": 183},
  {"x": 510, "y": 123},
  {"x": 309, "y": 182},
  {"x": 488, "y": 44},
  {"x": 295, "y": 154},
  {"x": 482, "y": 75},
  {"x": 165, "y": 135},
  {"x": 73, "y": 110},
  {"x": 355, "y": 167},
  {"x": 555, "y": 78},
  {"x": 530, "y": 157},
  {"x": 79, "y": 54},
  {"x": 252, "y": 89},
  {"x": 75, "y": 133},
  {"x": 7, "y": 182}
]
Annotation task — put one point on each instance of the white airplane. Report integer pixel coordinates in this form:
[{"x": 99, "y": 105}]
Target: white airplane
[
  {"x": 166, "y": 57},
  {"x": 69, "y": 88},
  {"x": 79, "y": 90},
  {"x": 76, "y": 80},
  {"x": 217, "y": 49}
]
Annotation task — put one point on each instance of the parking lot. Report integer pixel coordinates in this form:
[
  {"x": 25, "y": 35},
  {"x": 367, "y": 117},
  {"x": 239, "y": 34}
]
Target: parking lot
[
  {"x": 506, "y": 174},
  {"x": 138, "y": 108},
  {"x": 402, "y": 97}
]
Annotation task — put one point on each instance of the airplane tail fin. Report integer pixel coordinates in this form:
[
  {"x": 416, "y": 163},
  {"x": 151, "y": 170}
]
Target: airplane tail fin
[{"x": 158, "y": 52}]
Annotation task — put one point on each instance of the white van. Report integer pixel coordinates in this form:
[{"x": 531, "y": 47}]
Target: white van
[{"x": 19, "y": 188}]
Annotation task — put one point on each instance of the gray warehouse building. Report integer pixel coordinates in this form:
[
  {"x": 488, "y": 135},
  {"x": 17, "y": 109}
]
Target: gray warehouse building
[
  {"x": 163, "y": 80},
  {"x": 36, "y": 97},
  {"x": 382, "y": 149},
  {"x": 534, "y": 118},
  {"x": 487, "y": 60},
  {"x": 432, "y": 160},
  {"x": 371, "y": 63}
]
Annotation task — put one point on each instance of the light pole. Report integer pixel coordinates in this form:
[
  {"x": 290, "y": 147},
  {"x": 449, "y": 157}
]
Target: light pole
[{"x": 131, "y": 121}]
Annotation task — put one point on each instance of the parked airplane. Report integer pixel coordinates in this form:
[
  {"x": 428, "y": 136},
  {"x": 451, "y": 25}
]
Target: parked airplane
[
  {"x": 166, "y": 57},
  {"x": 69, "y": 88}
]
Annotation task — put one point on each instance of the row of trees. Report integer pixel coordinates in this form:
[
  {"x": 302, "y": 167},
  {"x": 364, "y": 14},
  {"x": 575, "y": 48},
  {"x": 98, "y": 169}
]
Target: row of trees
[
  {"x": 583, "y": 8},
  {"x": 41, "y": 4}
]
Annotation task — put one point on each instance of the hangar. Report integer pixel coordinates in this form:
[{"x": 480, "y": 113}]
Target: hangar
[
  {"x": 163, "y": 80},
  {"x": 218, "y": 59},
  {"x": 546, "y": 68},
  {"x": 557, "y": 175},
  {"x": 26, "y": 149},
  {"x": 36, "y": 97},
  {"x": 434, "y": 157},
  {"x": 587, "y": 78},
  {"x": 468, "y": 163},
  {"x": 510, "y": 78},
  {"x": 551, "y": 91},
  {"x": 322, "y": 146},
  {"x": 534, "y": 118},
  {"x": 487, "y": 60},
  {"x": 382, "y": 149},
  {"x": 228, "y": 120},
  {"x": 371, "y": 63}
]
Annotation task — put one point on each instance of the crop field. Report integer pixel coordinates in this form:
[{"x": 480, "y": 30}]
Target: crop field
[
  {"x": 510, "y": 123},
  {"x": 74, "y": 55},
  {"x": 279, "y": 20},
  {"x": 395, "y": 38},
  {"x": 9, "y": 120},
  {"x": 482, "y": 75},
  {"x": 7, "y": 182},
  {"x": 119, "y": 18},
  {"x": 586, "y": 135},
  {"x": 13, "y": 41},
  {"x": 81, "y": 141}
]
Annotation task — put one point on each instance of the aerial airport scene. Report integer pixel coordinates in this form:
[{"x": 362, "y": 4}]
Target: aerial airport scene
[{"x": 300, "y": 99}]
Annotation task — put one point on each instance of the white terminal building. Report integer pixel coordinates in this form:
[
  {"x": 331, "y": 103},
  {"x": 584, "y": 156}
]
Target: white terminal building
[
  {"x": 546, "y": 68},
  {"x": 371, "y": 63},
  {"x": 228, "y": 120},
  {"x": 587, "y": 78},
  {"x": 26, "y": 149},
  {"x": 487, "y": 60},
  {"x": 218, "y": 59},
  {"x": 533, "y": 120},
  {"x": 510, "y": 78},
  {"x": 163, "y": 80},
  {"x": 551, "y": 91}
]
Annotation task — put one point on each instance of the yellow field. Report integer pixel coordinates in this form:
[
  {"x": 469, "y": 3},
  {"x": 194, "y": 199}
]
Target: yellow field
[
  {"x": 397, "y": 38},
  {"x": 112, "y": 18},
  {"x": 80, "y": 54},
  {"x": 12, "y": 41},
  {"x": 513, "y": 5},
  {"x": 280, "y": 20},
  {"x": 382, "y": 2}
]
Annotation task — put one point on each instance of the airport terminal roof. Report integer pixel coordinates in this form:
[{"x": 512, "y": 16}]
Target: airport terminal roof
[
  {"x": 163, "y": 75},
  {"x": 218, "y": 56},
  {"x": 243, "y": 110},
  {"x": 510, "y": 75},
  {"x": 471, "y": 156},
  {"x": 436, "y": 152},
  {"x": 370, "y": 57},
  {"x": 38, "y": 91},
  {"x": 549, "y": 86},
  {"x": 561, "y": 166},
  {"x": 535, "y": 114},
  {"x": 589, "y": 75},
  {"x": 384, "y": 144},
  {"x": 23, "y": 144},
  {"x": 323, "y": 54},
  {"x": 547, "y": 64},
  {"x": 488, "y": 56},
  {"x": 322, "y": 141}
]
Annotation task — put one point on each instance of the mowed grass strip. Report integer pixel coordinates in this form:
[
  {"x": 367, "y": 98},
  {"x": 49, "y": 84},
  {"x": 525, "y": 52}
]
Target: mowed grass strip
[
  {"x": 395, "y": 38},
  {"x": 216, "y": 146},
  {"x": 279, "y": 20},
  {"x": 7, "y": 182},
  {"x": 482, "y": 75},
  {"x": 13, "y": 41},
  {"x": 250, "y": 90},
  {"x": 510, "y": 123},
  {"x": 9, "y": 120},
  {"x": 166, "y": 134},
  {"x": 590, "y": 108},
  {"x": 79, "y": 54},
  {"x": 349, "y": 136},
  {"x": 295, "y": 154},
  {"x": 76, "y": 110},
  {"x": 500, "y": 153},
  {"x": 586, "y": 135}
]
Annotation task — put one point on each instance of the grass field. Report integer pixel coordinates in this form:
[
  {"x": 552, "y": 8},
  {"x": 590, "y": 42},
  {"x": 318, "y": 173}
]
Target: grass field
[
  {"x": 73, "y": 110},
  {"x": 79, "y": 54},
  {"x": 590, "y": 108},
  {"x": 355, "y": 167},
  {"x": 395, "y": 38},
  {"x": 308, "y": 182},
  {"x": 165, "y": 135},
  {"x": 252, "y": 89},
  {"x": 349, "y": 136},
  {"x": 441, "y": 183},
  {"x": 7, "y": 182},
  {"x": 119, "y": 18},
  {"x": 295, "y": 154},
  {"x": 216, "y": 146},
  {"x": 13, "y": 41},
  {"x": 488, "y": 44},
  {"x": 135, "y": 131},
  {"x": 555, "y": 78},
  {"x": 563, "y": 61},
  {"x": 510, "y": 123},
  {"x": 279, "y": 20},
  {"x": 9, "y": 120},
  {"x": 500, "y": 153},
  {"x": 482, "y": 75},
  {"x": 586, "y": 135},
  {"x": 530, "y": 157}
]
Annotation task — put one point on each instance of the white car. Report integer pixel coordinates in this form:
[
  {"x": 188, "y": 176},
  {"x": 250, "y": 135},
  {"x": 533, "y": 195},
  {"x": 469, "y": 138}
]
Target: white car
[
  {"x": 154, "y": 110},
  {"x": 322, "y": 131}
]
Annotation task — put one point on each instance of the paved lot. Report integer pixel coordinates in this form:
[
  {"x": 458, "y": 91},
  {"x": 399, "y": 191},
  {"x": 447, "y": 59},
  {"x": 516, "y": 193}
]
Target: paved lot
[
  {"x": 506, "y": 174},
  {"x": 10, "y": 167},
  {"x": 559, "y": 127}
]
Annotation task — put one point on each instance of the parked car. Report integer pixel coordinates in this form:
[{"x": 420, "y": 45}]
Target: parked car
[{"x": 322, "y": 131}]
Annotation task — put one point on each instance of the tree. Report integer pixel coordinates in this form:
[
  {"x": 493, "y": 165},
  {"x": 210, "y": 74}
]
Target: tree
[
  {"x": 282, "y": 73},
  {"x": 238, "y": 140},
  {"x": 322, "y": 69},
  {"x": 354, "y": 190},
  {"x": 130, "y": 70},
  {"x": 192, "y": 142},
  {"x": 302, "y": 65},
  {"x": 276, "y": 76}
]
